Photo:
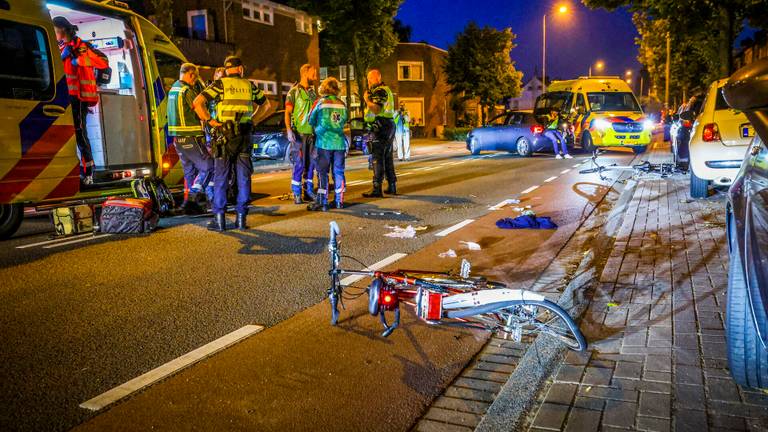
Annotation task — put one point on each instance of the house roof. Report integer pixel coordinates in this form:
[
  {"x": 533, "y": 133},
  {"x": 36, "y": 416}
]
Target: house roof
[{"x": 424, "y": 44}]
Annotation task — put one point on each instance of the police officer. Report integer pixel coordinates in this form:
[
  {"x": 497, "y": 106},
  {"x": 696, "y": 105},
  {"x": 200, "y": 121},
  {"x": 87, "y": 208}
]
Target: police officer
[
  {"x": 188, "y": 136},
  {"x": 236, "y": 99},
  {"x": 381, "y": 112},
  {"x": 298, "y": 103}
]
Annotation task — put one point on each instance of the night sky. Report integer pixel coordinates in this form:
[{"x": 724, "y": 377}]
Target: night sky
[{"x": 574, "y": 40}]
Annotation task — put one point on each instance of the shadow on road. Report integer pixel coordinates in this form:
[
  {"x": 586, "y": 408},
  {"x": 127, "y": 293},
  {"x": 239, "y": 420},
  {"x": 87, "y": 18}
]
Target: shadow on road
[{"x": 258, "y": 242}]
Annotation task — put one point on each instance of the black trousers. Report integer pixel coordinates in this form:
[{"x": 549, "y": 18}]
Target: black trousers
[
  {"x": 381, "y": 149},
  {"x": 79, "y": 113}
]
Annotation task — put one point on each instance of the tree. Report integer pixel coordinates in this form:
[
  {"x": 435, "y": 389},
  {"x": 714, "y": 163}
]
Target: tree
[
  {"x": 402, "y": 30},
  {"x": 356, "y": 32},
  {"x": 479, "y": 66},
  {"x": 163, "y": 13},
  {"x": 720, "y": 21}
]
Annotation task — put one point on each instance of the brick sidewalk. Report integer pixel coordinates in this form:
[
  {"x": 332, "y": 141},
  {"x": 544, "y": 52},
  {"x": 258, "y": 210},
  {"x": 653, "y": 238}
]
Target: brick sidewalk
[{"x": 657, "y": 358}]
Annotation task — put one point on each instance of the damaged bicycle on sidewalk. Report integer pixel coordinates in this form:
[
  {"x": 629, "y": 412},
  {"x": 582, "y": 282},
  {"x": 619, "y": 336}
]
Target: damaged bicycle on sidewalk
[
  {"x": 662, "y": 170},
  {"x": 452, "y": 300}
]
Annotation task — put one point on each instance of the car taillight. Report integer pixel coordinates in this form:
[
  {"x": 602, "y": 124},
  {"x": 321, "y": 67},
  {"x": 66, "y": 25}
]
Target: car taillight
[
  {"x": 537, "y": 129},
  {"x": 710, "y": 132}
]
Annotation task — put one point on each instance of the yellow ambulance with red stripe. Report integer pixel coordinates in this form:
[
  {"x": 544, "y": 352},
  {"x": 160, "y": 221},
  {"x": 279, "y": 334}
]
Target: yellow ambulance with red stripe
[
  {"x": 39, "y": 165},
  {"x": 602, "y": 109}
]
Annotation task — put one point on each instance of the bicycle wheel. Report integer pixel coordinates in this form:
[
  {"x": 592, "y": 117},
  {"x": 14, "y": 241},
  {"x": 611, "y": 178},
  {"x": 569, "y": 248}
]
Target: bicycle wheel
[{"x": 527, "y": 317}]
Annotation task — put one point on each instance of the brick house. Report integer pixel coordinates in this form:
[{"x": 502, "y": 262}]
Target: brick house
[
  {"x": 272, "y": 39},
  {"x": 415, "y": 74}
]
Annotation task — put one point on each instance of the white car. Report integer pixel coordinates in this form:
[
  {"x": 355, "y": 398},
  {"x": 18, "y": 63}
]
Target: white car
[{"x": 719, "y": 141}]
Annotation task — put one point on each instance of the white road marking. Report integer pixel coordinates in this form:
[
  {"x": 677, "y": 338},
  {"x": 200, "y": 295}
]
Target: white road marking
[
  {"x": 406, "y": 174},
  {"x": 550, "y": 179},
  {"x": 565, "y": 171},
  {"x": 458, "y": 226},
  {"x": 111, "y": 396},
  {"x": 530, "y": 189},
  {"x": 53, "y": 241},
  {"x": 502, "y": 204},
  {"x": 357, "y": 182},
  {"x": 577, "y": 165},
  {"x": 383, "y": 263},
  {"x": 76, "y": 241}
]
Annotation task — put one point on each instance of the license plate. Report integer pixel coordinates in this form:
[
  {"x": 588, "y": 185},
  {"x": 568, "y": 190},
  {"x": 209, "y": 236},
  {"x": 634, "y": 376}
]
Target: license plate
[{"x": 747, "y": 131}]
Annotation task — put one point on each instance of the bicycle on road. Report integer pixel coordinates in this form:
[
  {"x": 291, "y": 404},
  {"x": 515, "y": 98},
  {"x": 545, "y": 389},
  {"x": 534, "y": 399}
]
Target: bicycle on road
[
  {"x": 454, "y": 300},
  {"x": 663, "y": 170}
]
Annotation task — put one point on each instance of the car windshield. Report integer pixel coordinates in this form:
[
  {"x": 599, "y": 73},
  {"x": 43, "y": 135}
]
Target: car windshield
[
  {"x": 612, "y": 101},
  {"x": 553, "y": 101}
]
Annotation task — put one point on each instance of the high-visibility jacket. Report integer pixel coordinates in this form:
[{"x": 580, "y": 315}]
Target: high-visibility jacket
[
  {"x": 235, "y": 98},
  {"x": 182, "y": 120},
  {"x": 328, "y": 117},
  {"x": 381, "y": 95},
  {"x": 81, "y": 78}
]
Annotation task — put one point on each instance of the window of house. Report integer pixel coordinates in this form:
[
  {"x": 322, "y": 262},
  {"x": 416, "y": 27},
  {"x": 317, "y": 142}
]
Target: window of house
[
  {"x": 286, "y": 87},
  {"x": 410, "y": 71},
  {"x": 197, "y": 23},
  {"x": 268, "y": 87},
  {"x": 343, "y": 72},
  {"x": 415, "y": 107},
  {"x": 304, "y": 24},
  {"x": 254, "y": 10},
  {"x": 323, "y": 73},
  {"x": 25, "y": 72}
]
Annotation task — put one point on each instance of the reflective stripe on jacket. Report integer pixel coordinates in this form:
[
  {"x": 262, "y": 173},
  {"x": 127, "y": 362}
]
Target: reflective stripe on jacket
[{"x": 182, "y": 120}]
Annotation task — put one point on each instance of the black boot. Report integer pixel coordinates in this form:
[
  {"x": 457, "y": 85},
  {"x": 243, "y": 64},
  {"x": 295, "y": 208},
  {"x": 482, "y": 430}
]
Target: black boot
[
  {"x": 219, "y": 223},
  {"x": 375, "y": 192},
  {"x": 317, "y": 206},
  {"x": 241, "y": 221},
  {"x": 392, "y": 189}
]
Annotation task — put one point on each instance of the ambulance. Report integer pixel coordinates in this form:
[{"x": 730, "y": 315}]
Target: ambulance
[
  {"x": 39, "y": 164},
  {"x": 602, "y": 109}
]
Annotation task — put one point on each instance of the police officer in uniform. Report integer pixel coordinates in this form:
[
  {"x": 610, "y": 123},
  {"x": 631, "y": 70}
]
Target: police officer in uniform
[
  {"x": 236, "y": 100},
  {"x": 188, "y": 136},
  {"x": 381, "y": 113}
]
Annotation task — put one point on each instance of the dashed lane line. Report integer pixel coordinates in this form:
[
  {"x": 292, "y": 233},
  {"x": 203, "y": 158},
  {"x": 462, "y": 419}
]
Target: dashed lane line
[
  {"x": 565, "y": 171},
  {"x": 53, "y": 241},
  {"x": 51, "y": 246},
  {"x": 142, "y": 381},
  {"x": 385, "y": 262},
  {"x": 550, "y": 179},
  {"x": 456, "y": 227},
  {"x": 529, "y": 190}
]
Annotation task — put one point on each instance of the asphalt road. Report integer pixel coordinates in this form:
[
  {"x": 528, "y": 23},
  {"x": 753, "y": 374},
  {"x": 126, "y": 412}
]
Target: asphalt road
[{"x": 81, "y": 318}]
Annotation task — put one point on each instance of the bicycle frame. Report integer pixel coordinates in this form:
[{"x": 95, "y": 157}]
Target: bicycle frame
[{"x": 388, "y": 289}]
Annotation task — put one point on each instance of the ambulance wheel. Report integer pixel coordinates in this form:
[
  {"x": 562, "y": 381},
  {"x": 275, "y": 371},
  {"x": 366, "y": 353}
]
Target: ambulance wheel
[
  {"x": 11, "y": 216},
  {"x": 586, "y": 142}
]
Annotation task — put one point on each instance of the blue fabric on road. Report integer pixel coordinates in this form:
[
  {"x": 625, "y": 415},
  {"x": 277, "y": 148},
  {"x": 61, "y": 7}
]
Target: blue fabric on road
[{"x": 522, "y": 222}]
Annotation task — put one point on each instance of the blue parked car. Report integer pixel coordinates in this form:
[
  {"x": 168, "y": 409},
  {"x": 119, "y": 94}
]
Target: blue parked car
[
  {"x": 746, "y": 319},
  {"x": 513, "y": 131},
  {"x": 269, "y": 139}
]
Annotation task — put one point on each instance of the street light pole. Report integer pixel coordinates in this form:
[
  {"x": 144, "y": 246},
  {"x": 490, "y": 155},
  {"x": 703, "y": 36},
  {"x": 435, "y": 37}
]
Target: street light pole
[
  {"x": 544, "y": 53},
  {"x": 666, "y": 73}
]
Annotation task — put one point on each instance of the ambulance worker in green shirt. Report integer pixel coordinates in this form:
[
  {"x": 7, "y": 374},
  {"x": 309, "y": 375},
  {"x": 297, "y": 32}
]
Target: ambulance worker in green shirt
[
  {"x": 298, "y": 102},
  {"x": 328, "y": 117}
]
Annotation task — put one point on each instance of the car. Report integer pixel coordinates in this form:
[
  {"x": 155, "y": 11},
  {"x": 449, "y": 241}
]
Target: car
[
  {"x": 747, "y": 229},
  {"x": 603, "y": 109},
  {"x": 512, "y": 131},
  {"x": 680, "y": 133},
  {"x": 269, "y": 139},
  {"x": 719, "y": 138}
]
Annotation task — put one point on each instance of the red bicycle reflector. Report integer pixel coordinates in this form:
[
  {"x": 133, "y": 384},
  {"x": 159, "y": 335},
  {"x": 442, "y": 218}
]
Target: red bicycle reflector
[
  {"x": 537, "y": 129},
  {"x": 710, "y": 132},
  {"x": 388, "y": 299},
  {"x": 429, "y": 305}
]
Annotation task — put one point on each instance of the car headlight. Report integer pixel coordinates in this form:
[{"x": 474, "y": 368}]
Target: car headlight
[
  {"x": 648, "y": 124},
  {"x": 602, "y": 124}
]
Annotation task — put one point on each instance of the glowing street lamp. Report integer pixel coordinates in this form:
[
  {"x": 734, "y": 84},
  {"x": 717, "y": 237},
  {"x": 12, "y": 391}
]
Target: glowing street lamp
[
  {"x": 599, "y": 65},
  {"x": 562, "y": 9}
]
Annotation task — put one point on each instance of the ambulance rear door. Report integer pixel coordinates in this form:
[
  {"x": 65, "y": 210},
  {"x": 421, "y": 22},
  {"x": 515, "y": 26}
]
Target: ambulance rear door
[
  {"x": 162, "y": 63},
  {"x": 37, "y": 138}
]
